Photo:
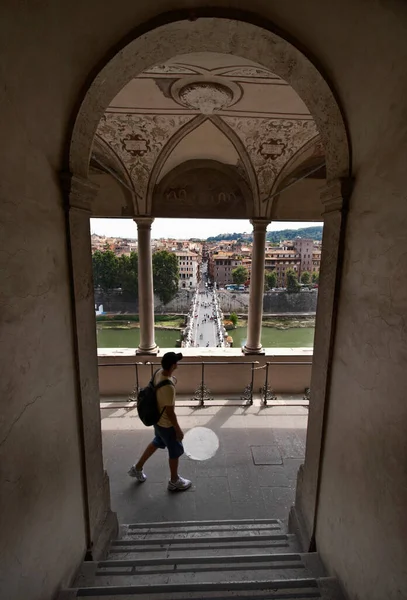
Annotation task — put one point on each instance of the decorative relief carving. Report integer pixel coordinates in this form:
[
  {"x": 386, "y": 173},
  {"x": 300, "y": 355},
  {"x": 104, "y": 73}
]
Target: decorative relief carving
[
  {"x": 272, "y": 148},
  {"x": 206, "y": 96},
  {"x": 138, "y": 140},
  {"x": 249, "y": 72},
  {"x": 136, "y": 145},
  {"x": 270, "y": 143},
  {"x": 170, "y": 69}
]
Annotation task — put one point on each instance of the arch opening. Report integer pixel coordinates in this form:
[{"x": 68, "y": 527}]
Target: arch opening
[{"x": 172, "y": 57}]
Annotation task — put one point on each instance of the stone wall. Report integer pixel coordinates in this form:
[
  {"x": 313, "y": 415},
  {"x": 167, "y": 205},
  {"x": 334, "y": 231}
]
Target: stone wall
[
  {"x": 116, "y": 302},
  {"x": 274, "y": 302},
  {"x": 282, "y": 302}
]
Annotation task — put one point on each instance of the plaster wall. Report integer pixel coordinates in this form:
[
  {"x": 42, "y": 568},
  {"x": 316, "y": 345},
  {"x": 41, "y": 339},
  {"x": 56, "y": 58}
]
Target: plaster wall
[
  {"x": 298, "y": 202},
  {"x": 361, "y": 527},
  {"x": 112, "y": 199},
  {"x": 42, "y": 526},
  {"x": 49, "y": 53},
  {"x": 364, "y": 481}
]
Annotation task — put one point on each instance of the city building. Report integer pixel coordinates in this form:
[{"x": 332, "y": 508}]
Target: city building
[
  {"x": 280, "y": 260},
  {"x": 188, "y": 263},
  {"x": 221, "y": 266},
  {"x": 304, "y": 247}
]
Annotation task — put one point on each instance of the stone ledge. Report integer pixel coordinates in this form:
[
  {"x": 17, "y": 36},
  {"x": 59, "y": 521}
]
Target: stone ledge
[{"x": 207, "y": 353}]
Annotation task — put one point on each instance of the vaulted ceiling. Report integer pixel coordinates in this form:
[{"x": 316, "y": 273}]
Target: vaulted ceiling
[{"x": 212, "y": 107}]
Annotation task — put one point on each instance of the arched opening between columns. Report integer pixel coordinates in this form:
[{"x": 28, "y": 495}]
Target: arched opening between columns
[
  {"x": 226, "y": 36},
  {"x": 261, "y": 45}
]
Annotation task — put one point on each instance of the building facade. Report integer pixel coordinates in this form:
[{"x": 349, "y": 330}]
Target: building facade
[
  {"x": 188, "y": 264},
  {"x": 305, "y": 248},
  {"x": 221, "y": 268}
]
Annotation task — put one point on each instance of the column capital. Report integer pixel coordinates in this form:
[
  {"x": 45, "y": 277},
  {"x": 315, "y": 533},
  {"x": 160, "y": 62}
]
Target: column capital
[
  {"x": 79, "y": 192},
  {"x": 336, "y": 194},
  {"x": 259, "y": 223},
  {"x": 144, "y": 222}
]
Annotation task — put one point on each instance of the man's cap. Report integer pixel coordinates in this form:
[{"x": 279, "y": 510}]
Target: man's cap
[{"x": 169, "y": 359}]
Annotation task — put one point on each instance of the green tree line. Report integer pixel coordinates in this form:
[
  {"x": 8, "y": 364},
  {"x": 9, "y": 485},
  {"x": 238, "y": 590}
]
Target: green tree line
[
  {"x": 111, "y": 272},
  {"x": 314, "y": 233}
]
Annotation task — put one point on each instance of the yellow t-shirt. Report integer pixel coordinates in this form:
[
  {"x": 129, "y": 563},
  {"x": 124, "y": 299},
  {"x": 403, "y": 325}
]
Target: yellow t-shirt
[{"x": 165, "y": 397}]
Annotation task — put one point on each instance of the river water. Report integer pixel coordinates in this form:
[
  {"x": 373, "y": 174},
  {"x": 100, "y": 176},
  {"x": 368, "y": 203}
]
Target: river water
[{"x": 271, "y": 337}]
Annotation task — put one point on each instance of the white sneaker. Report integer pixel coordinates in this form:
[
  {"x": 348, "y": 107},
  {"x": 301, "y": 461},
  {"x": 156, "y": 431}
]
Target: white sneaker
[
  {"x": 180, "y": 485},
  {"x": 138, "y": 474}
]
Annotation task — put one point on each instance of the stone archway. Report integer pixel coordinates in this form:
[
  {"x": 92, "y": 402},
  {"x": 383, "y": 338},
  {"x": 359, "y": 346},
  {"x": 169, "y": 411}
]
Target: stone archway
[{"x": 265, "y": 48}]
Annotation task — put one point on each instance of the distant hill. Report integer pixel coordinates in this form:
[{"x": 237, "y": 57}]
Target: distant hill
[{"x": 314, "y": 233}]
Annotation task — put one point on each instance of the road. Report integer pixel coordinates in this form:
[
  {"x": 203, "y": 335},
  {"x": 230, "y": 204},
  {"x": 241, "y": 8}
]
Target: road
[{"x": 204, "y": 330}]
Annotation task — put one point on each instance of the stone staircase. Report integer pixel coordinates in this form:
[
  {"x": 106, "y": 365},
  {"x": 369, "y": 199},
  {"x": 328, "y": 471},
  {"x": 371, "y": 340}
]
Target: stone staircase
[{"x": 204, "y": 560}]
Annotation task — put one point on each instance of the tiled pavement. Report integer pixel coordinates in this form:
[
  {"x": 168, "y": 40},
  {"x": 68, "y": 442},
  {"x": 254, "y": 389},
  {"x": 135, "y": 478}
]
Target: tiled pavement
[{"x": 252, "y": 475}]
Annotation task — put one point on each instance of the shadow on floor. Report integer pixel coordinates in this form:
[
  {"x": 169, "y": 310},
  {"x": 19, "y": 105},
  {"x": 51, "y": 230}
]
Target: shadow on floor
[{"x": 252, "y": 475}]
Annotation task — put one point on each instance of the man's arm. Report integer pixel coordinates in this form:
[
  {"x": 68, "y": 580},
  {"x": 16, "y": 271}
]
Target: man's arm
[{"x": 170, "y": 412}]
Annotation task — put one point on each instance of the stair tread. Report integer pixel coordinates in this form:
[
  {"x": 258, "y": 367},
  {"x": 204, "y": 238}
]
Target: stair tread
[
  {"x": 204, "y": 523},
  {"x": 213, "y": 560},
  {"x": 281, "y": 557},
  {"x": 206, "y": 586},
  {"x": 200, "y": 569}
]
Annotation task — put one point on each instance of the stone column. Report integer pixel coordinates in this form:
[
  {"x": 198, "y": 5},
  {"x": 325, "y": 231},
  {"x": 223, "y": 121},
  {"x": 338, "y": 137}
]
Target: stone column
[
  {"x": 145, "y": 287},
  {"x": 304, "y": 514},
  {"x": 101, "y": 523},
  {"x": 253, "y": 344}
]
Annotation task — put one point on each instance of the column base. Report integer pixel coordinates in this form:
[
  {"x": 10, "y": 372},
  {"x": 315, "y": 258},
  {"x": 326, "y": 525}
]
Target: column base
[
  {"x": 148, "y": 351},
  {"x": 257, "y": 351}
]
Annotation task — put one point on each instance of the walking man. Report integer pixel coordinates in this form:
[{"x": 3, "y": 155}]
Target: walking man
[{"x": 168, "y": 433}]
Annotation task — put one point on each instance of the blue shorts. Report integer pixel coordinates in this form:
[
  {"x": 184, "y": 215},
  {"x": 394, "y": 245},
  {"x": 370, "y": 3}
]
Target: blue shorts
[{"x": 165, "y": 438}]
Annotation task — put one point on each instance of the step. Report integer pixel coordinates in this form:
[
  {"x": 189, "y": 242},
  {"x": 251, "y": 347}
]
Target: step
[
  {"x": 210, "y": 546},
  {"x": 267, "y": 589},
  {"x": 183, "y": 529},
  {"x": 198, "y": 569}
]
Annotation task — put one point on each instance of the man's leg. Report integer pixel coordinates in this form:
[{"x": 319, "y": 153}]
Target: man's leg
[
  {"x": 137, "y": 469},
  {"x": 174, "y": 469},
  {"x": 176, "y": 482},
  {"x": 149, "y": 451}
]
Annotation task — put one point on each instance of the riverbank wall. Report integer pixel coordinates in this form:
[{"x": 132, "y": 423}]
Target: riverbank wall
[{"x": 273, "y": 302}]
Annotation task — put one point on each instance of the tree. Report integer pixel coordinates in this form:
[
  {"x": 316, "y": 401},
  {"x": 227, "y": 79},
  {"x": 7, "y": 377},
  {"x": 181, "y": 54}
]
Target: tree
[
  {"x": 234, "y": 318},
  {"x": 128, "y": 274},
  {"x": 305, "y": 278},
  {"x": 270, "y": 279},
  {"x": 165, "y": 275},
  {"x": 105, "y": 270},
  {"x": 240, "y": 275},
  {"x": 315, "y": 278},
  {"x": 292, "y": 281}
]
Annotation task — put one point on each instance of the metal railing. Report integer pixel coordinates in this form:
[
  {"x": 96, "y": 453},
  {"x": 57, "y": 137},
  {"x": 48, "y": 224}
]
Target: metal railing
[
  {"x": 203, "y": 393},
  {"x": 267, "y": 393}
]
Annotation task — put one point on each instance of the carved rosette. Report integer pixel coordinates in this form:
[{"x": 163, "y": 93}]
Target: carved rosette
[
  {"x": 206, "y": 94},
  {"x": 206, "y": 97}
]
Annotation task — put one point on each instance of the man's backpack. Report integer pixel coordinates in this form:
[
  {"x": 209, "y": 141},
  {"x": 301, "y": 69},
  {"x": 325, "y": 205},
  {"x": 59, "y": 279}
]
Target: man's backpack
[{"x": 147, "y": 406}]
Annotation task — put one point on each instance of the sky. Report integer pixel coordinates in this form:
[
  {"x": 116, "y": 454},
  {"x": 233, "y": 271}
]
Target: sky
[{"x": 186, "y": 228}]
